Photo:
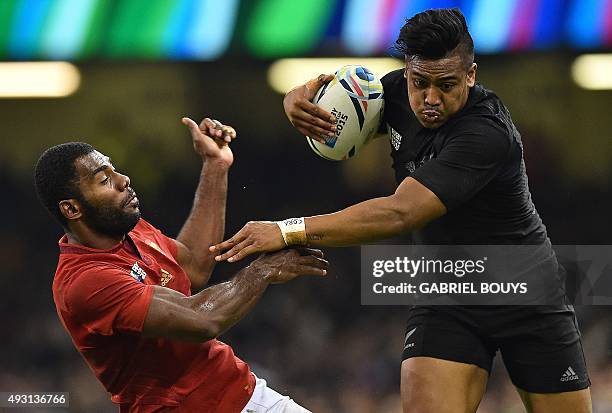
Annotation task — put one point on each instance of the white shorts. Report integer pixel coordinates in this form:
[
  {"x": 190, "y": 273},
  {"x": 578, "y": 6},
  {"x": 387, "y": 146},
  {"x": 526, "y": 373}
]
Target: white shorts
[{"x": 266, "y": 400}]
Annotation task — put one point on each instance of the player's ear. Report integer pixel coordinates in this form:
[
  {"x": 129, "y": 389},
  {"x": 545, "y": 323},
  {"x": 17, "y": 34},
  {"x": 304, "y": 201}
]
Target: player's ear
[
  {"x": 471, "y": 75},
  {"x": 70, "y": 209}
]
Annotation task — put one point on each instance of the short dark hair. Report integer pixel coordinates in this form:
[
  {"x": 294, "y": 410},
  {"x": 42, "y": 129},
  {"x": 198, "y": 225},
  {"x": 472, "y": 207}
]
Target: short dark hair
[
  {"x": 55, "y": 175},
  {"x": 435, "y": 34}
]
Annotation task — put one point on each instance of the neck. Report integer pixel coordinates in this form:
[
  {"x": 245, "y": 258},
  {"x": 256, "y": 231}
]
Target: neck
[{"x": 87, "y": 237}]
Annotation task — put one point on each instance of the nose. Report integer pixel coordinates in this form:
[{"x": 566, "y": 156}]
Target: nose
[
  {"x": 124, "y": 181},
  {"x": 432, "y": 97}
]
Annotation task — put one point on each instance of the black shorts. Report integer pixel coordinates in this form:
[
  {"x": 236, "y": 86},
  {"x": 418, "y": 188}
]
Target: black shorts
[{"x": 541, "y": 346}]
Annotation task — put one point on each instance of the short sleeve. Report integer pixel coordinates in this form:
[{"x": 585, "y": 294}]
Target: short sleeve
[
  {"x": 468, "y": 161},
  {"x": 105, "y": 299}
]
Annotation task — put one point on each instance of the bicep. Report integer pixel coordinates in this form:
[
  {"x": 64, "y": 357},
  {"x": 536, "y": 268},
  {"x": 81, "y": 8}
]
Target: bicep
[
  {"x": 184, "y": 258},
  {"x": 419, "y": 204},
  {"x": 183, "y": 255},
  {"x": 171, "y": 315}
]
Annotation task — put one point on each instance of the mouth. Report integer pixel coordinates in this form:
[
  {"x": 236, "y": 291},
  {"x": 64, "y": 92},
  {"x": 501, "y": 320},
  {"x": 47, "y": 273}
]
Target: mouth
[
  {"x": 132, "y": 201},
  {"x": 431, "y": 116}
]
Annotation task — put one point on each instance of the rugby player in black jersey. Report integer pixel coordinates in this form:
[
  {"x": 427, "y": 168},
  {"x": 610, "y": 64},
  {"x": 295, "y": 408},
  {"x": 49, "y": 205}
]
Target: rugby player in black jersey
[{"x": 461, "y": 180}]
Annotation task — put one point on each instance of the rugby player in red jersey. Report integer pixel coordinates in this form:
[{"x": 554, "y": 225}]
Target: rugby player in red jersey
[{"x": 123, "y": 289}]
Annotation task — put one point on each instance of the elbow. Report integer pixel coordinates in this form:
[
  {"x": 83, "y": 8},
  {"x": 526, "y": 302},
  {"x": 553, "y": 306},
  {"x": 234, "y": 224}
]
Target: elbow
[
  {"x": 404, "y": 219},
  {"x": 207, "y": 331}
]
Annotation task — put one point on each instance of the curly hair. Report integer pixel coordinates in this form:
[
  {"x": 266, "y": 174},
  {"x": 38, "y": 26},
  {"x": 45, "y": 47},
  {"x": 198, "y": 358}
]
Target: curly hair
[{"x": 55, "y": 175}]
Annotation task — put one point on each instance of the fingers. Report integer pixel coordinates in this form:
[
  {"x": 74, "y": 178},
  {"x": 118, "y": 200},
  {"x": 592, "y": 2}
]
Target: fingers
[
  {"x": 312, "y": 261},
  {"x": 306, "y": 270},
  {"x": 313, "y": 132},
  {"x": 244, "y": 252},
  {"x": 313, "y": 85},
  {"x": 238, "y": 251},
  {"x": 289, "y": 272},
  {"x": 217, "y": 130},
  {"x": 310, "y": 251},
  {"x": 212, "y": 128},
  {"x": 193, "y": 127},
  {"x": 226, "y": 245},
  {"x": 322, "y": 117}
]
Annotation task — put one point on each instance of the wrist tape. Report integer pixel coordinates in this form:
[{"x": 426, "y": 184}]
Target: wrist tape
[{"x": 293, "y": 231}]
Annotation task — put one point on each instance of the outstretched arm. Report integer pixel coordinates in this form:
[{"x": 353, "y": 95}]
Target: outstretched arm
[
  {"x": 412, "y": 206},
  {"x": 212, "y": 311},
  {"x": 206, "y": 222}
]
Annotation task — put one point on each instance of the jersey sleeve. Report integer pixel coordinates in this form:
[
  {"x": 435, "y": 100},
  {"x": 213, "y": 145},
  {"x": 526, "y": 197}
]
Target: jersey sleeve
[
  {"x": 105, "y": 299},
  {"x": 469, "y": 160}
]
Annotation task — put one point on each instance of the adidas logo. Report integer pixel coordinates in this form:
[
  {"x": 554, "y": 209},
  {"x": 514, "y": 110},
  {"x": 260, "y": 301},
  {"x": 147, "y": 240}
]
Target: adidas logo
[{"x": 569, "y": 375}]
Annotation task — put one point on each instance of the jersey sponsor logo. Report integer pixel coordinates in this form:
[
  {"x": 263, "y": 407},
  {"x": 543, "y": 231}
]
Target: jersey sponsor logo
[
  {"x": 138, "y": 273},
  {"x": 569, "y": 375},
  {"x": 165, "y": 277},
  {"x": 408, "y": 334},
  {"x": 396, "y": 138}
]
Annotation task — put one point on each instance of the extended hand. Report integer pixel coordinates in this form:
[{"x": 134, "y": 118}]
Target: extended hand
[
  {"x": 286, "y": 265},
  {"x": 305, "y": 116},
  {"x": 255, "y": 236},
  {"x": 211, "y": 139}
]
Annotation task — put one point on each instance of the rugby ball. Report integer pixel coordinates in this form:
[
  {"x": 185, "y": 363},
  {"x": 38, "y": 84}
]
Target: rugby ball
[{"x": 355, "y": 98}]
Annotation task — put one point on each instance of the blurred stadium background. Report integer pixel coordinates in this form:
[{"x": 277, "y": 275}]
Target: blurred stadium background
[{"x": 137, "y": 66}]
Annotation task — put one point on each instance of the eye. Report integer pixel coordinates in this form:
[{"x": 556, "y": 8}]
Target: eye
[
  {"x": 447, "y": 86},
  {"x": 105, "y": 180},
  {"x": 420, "y": 83}
]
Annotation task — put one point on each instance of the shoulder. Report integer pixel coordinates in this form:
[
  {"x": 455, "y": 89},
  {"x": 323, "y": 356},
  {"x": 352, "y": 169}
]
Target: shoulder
[
  {"x": 479, "y": 136},
  {"x": 392, "y": 80},
  {"x": 78, "y": 279}
]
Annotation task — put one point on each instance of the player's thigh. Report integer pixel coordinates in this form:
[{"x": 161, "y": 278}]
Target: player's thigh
[
  {"x": 435, "y": 385},
  {"x": 578, "y": 401},
  {"x": 447, "y": 360},
  {"x": 544, "y": 355}
]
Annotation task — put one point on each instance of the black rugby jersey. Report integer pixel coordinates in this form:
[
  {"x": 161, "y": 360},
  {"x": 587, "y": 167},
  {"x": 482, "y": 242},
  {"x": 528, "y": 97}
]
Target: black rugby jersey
[{"x": 473, "y": 163}]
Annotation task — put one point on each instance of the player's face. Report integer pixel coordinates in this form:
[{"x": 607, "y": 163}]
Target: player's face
[
  {"x": 108, "y": 204},
  {"x": 437, "y": 89}
]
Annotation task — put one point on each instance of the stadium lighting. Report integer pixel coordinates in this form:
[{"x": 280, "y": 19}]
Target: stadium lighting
[
  {"x": 285, "y": 74},
  {"x": 593, "y": 71},
  {"x": 38, "y": 79}
]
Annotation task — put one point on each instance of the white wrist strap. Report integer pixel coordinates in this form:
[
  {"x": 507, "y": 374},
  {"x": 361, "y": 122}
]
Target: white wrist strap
[{"x": 293, "y": 231}]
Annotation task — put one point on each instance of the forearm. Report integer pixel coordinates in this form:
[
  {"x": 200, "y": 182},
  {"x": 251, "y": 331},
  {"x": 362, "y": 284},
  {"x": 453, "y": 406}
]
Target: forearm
[
  {"x": 368, "y": 221},
  {"x": 209, "y": 313},
  {"x": 206, "y": 222},
  {"x": 224, "y": 304}
]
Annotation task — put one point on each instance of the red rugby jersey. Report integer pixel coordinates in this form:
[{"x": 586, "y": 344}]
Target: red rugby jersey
[{"x": 102, "y": 298}]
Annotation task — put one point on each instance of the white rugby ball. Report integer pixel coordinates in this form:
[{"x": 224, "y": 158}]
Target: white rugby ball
[{"x": 355, "y": 98}]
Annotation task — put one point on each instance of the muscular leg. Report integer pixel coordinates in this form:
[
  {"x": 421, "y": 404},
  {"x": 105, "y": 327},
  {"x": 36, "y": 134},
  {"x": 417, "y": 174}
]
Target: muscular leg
[
  {"x": 578, "y": 401},
  {"x": 431, "y": 385}
]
